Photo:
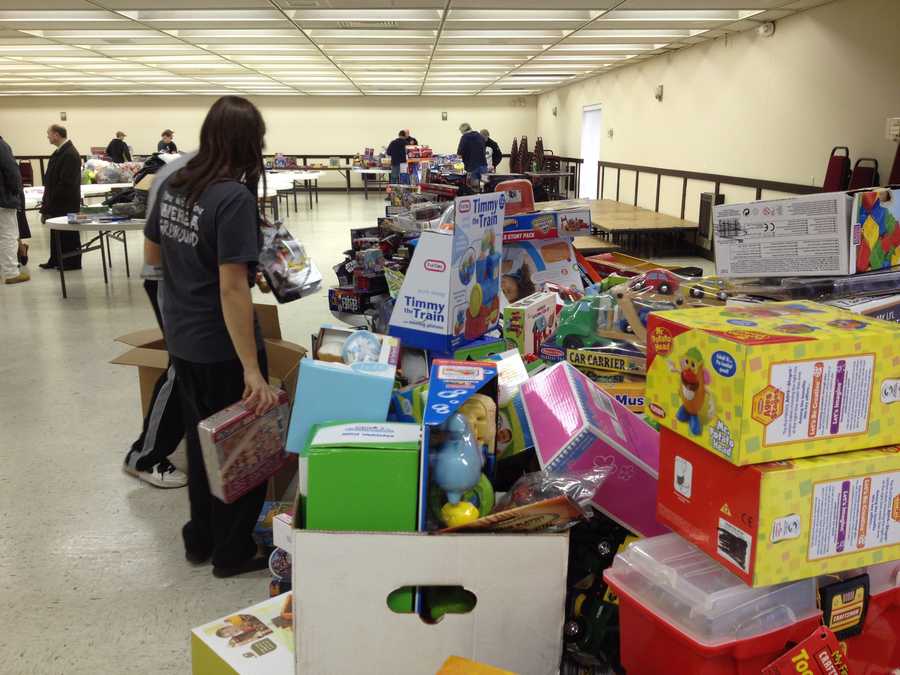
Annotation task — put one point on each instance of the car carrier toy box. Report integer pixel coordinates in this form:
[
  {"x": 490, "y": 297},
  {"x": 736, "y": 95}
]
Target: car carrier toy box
[
  {"x": 451, "y": 292},
  {"x": 781, "y": 521},
  {"x": 776, "y": 380},
  {"x": 547, "y": 224}
]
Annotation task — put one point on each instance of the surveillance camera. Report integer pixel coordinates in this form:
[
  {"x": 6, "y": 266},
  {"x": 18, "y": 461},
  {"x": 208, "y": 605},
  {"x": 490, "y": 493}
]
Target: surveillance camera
[{"x": 766, "y": 29}]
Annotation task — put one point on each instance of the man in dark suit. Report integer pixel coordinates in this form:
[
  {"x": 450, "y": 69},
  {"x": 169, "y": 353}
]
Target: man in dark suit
[{"x": 62, "y": 196}]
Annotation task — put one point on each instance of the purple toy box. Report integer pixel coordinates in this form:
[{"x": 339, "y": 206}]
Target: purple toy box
[{"x": 576, "y": 426}]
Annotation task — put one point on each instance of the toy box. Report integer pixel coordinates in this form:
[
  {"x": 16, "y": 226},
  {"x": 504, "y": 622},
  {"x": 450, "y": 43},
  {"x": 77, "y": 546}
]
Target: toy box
[
  {"x": 629, "y": 393},
  {"x": 681, "y": 612},
  {"x": 450, "y": 294},
  {"x": 362, "y": 477},
  {"x": 886, "y": 307},
  {"x": 528, "y": 264},
  {"x": 875, "y": 243},
  {"x": 333, "y": 390},
  {"x": 242, "y": 449},
  {"x": 775, "y": 380},
  {"x": 800, "y": 236},
  {"x": 530, "y": 321},
  {"x": 264, "y": 532},
  {"x": 513, "y": 432},
  {"x": 288, "y": 270},
  {"x": 779, "y": 521},
  {"x": 458, "y": 443},
  {"x": 258, "y": 640},
  {"x": 577, "y": 426},
  {"x": 348, "y": 300},
  {"x": 547, "y": 225},
  {"x": 342, "y": 580}
]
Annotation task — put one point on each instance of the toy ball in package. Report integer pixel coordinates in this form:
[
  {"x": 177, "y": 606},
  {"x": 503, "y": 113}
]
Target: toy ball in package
[
  {"x": 242, "y": 449},
  {"x": 288, "y": 270}
]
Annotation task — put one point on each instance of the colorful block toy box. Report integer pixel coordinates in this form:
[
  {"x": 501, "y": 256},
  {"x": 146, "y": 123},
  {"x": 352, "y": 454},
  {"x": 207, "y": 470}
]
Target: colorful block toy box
[
  {"x": 776, "y": 380},
  {"x": 875, "y": 243},
  {"x": 780, "y": 521},
  {"x": 530, "y": 321},
  {"x": 451, "y": 292},
  {"x": 577, "y": 426}
]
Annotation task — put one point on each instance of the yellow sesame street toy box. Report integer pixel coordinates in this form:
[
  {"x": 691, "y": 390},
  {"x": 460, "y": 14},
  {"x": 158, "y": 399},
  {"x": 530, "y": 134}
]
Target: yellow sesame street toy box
[{"x": 775, "y": 381}]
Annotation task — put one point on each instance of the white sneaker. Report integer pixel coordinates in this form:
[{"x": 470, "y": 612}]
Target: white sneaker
[{"x": 163, "y": 475}]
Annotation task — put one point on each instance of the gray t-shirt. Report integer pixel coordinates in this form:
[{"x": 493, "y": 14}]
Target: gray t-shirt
[{"x": 222, "y": 227}]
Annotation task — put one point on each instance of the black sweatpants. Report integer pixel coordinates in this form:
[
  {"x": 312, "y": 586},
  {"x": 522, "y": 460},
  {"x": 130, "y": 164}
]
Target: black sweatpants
[
  {"x": 163, "y": 427},
  {"x": 224, "y": 530}
]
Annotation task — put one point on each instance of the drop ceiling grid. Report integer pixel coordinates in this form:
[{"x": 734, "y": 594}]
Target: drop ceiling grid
[{"x": 369, "y": 47}]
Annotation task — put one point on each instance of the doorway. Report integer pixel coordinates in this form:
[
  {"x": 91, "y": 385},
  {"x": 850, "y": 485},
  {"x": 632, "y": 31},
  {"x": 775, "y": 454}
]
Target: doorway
[{"x": 591, "y": 127}]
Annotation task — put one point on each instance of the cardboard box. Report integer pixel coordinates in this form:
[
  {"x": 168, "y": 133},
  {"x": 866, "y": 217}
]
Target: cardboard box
[
  {"x": 242, "y": 449},
  {"x": 530, "y": 321},
  {"x": 529, "y": 264},
  {"x": 283, "y": 530},
  {"x": 331, "y": 391},
  {"x": 780, "y": 521},
  {"x": 450, "y": 294},
  {"x": 800, "y": 236},
  {"x": 349, "y": 300},
  {"x": 258, "y": 640},
  {"x": 629, "y": 394},
  {"x": 885, "y": 307},
  {"x": 342, "y": 581},
  {"x": 452, "y": 385},
  {"x": 875, "y": 243},
  {"x": 150, "y": 356},
  {"x": 563, "y": 223},
  {"x": 775, "y": 380},
  {"x": 363, "y": 477},
  {"x": 577, "y": 426}
]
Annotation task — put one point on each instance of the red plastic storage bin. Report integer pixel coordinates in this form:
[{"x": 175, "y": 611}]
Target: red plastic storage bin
[
  {"x": 876, "y": 650},
  {"x": 681, "y": 613}
]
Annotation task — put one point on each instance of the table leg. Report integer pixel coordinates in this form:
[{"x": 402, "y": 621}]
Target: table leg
[
  {"x": 295, "y": 197},
  {"x": 309, "y": 192},
  {"x": 317, "y": 190},
  {"x": 365, "y": 186},
  {"x": 60, "y": 263},
  {"x": 347, "y": 176},
  {"x": 104, "y": 245},
  {"x": 108, "y": 256},
  {"x": 275, "y": 209},
  {"x": 125, "y": 246}
]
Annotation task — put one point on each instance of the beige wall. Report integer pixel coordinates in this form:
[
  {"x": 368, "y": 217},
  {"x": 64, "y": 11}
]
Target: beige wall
[
  {"x": 340, "y": 124},
  {"x": 747, "y": 106}
]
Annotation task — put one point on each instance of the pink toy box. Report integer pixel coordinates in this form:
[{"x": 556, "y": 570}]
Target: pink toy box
[{"x": 576, "y": 426}]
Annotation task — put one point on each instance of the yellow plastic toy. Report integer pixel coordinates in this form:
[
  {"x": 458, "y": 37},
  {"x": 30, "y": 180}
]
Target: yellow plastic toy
[{"x": 462, "y": 513}]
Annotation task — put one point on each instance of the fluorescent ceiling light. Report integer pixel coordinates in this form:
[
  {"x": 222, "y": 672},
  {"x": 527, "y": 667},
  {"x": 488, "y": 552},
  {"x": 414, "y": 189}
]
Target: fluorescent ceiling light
[
  {"x": 56, "y": 16},
  {"x": 233, "y": 33},
  {"x": 350, "y": 15},
  {"x": 579, "y": 57},
  {"x": 637, "y": 47},
  {"x": 489, "y": 48},
  {"x": 687, "y": 15},
  {"x": 262, "y": 48},
  {"x": 538, "y": 15},
  {"x": 203, "y": 15},
  {"x": 335, "y": 49},
  {"x": 106, "y": 34},
  {"x": 171, "y": 47},
  {"x": 667, "y": 33},
  {"x": 508, "y": 92},
  {"x": 508, "y": 34}
]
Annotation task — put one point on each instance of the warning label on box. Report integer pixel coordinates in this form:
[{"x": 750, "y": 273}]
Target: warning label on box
[
  {"x": 855, "y": 514},
  {"x": 819, "y": 398}
]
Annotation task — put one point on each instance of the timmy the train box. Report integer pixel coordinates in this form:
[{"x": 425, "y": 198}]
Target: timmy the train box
[{"x": 774, "y": 381}]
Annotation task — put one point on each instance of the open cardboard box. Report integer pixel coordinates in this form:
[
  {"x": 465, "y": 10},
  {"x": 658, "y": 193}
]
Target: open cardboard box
[
  {"x": 342, "y": 581},
  {"x": 149, "y": 355}
]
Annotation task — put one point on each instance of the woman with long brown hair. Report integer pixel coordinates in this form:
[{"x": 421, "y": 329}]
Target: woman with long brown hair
[{"x": 204, "y": 230}]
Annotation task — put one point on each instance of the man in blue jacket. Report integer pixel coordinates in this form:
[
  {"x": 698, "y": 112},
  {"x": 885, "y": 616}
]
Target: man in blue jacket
[{"x": 471, "y": 149}]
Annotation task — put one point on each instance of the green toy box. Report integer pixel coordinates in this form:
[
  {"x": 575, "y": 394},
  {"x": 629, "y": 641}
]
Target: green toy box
[
  {"x": 363, "y": 477},
  {"x": 778, "y": 380}
]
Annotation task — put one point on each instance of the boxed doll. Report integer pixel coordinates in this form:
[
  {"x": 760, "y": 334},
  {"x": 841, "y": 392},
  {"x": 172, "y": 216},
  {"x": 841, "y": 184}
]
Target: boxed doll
[
  {"x": 773, "y": 381},
  {"x": 530, "y": 321}
]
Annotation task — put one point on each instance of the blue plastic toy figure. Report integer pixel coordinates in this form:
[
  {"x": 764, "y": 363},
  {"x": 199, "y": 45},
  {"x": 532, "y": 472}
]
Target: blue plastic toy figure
[{"x": 457, "y": 469}]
